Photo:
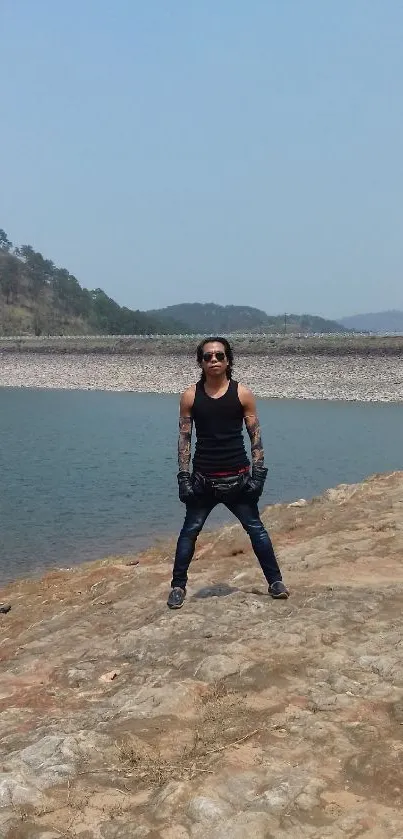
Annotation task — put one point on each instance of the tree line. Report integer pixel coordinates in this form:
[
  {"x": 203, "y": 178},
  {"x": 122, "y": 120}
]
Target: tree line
[{"x": 25, "y": 275}]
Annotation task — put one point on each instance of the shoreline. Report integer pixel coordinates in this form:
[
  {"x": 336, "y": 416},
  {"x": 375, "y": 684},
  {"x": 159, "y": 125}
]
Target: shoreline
[
  {"x": 353, "y": 378},
  {"x": 165, "y": 541},
  {"x": 352, "y": 399}
]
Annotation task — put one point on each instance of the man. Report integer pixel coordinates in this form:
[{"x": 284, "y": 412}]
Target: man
[{"x": 221, "y": 470}]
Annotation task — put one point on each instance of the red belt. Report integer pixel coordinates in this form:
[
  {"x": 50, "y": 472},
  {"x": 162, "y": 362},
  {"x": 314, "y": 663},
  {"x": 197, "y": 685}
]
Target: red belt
[{"x": 228, "y": 474}]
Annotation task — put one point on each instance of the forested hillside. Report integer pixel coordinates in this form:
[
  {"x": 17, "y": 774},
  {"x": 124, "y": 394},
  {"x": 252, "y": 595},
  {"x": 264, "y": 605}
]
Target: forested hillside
[{"x": 37, "y": 297}]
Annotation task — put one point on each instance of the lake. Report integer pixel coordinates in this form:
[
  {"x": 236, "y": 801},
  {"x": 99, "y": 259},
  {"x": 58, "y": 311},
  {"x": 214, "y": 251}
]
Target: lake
[{"x": 86, "y": 474}]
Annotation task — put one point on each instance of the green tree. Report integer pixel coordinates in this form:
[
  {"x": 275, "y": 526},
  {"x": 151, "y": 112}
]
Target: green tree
[
  {"x": 106, "y": 313},
  {"x": 9, "y": 278},
  {"x": 85, "y": 303},
  {"x": 5, "y": 244},
  {"x": 61, "y": 286},
  {"x": 69, "y": 294},
  {"x": 39, "y": 271}
]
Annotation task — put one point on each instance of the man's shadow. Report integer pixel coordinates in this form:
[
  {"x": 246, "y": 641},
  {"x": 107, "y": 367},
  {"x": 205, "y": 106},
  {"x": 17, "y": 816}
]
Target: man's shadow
[
  {"x": 217, "y": 590},
  {"x": 224, "y": 590}
]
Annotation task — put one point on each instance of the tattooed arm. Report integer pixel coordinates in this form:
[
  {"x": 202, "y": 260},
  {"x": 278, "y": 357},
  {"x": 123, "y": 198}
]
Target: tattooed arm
[
  {"x": 184, "y": 446},
  {"x": 259, "y": 471},
  {"x": 185, "y": 429},
  {"x": 248, "y": 403}
]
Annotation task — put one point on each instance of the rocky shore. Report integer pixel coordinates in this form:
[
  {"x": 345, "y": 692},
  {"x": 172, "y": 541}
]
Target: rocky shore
[
  {"x": 235, "y": 718},
  {"x": 350, "y": 377}
]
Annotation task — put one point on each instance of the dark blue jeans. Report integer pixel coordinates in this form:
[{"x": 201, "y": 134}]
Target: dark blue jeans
[{"x": 246, "y": 511}]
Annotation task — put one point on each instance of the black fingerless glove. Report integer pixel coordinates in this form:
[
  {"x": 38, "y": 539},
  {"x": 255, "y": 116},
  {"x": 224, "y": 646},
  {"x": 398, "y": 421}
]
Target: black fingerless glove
[
  {"x": 256, "y": 481},
  {"x": 185, "y": 486}
]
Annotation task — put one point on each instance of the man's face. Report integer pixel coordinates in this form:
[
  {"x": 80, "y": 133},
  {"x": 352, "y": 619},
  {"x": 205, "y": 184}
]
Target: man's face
[{"x": 214, "y": 361}]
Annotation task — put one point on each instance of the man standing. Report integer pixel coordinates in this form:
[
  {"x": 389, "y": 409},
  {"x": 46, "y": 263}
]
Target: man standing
[{"x": 221, "y": 470}]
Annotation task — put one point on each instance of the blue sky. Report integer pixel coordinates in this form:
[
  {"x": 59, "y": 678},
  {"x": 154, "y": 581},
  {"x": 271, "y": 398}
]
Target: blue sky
[{"x": 219, "y": 150}]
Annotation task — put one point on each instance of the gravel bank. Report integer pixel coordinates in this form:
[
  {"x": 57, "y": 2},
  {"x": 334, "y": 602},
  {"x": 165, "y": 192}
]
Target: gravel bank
[
  {"x": 184, "y": 345},
  {"x": 358, "y": 378}
]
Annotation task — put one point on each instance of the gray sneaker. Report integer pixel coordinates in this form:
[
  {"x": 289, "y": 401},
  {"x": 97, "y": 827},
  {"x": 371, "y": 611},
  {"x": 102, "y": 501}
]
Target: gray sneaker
[
  {"x": 176, "y": 598},
  {"x": 278, "y": 590}
]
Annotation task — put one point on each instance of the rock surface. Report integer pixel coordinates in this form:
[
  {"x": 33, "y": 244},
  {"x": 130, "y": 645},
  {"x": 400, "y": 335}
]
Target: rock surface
[
  {"x": 236, "y": 717},
  {"x": 358, "y": 377}
]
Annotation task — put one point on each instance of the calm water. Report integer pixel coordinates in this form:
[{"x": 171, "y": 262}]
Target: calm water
[{"x": 87, "y": 474}]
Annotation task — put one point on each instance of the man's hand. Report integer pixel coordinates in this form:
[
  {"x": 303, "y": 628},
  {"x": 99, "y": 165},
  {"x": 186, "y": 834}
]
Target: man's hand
[
  {"x": 256, "y": 481},
  {"x": 186, "y": 491}
]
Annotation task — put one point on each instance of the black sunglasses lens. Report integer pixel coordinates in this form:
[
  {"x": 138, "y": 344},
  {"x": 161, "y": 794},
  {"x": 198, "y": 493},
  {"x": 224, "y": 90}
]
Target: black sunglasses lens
[{"x": 207, "y": 356}]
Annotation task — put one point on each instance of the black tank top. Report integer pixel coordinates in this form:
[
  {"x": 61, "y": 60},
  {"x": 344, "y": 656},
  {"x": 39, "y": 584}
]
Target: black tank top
[{"x": 219, "y": 441}]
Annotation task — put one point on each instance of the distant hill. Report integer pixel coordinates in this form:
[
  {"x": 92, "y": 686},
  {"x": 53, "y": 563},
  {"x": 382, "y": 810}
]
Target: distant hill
[
  {"x": 210, "y": 318},
  {"x": 391, "y": 321},
  {"x": 38, "y": 298}
]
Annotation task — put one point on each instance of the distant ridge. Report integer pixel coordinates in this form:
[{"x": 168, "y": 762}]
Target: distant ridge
[
  {"x": 211, "y": 318},
  {"x": 389, "y": 321},
  {"x": 38, "y": 298}
]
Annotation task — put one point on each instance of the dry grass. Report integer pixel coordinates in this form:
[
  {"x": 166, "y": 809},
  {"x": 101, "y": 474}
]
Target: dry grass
[{"x": 222, "y": 724}]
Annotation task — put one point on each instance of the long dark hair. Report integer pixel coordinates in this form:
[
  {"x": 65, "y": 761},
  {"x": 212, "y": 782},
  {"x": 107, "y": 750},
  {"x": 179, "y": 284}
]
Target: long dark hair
[{"x": 228, "y": 352}]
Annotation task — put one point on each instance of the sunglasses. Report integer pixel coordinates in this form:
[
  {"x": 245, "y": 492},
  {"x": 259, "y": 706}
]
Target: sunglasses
[{"x": 220, "y": 356}]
